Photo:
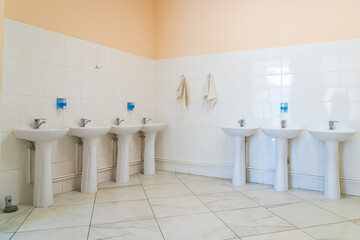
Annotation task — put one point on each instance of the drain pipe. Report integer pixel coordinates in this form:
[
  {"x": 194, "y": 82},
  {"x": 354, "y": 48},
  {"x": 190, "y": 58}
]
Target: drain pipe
[
  {"x": 28, "y": 162},
  {"x": 114, "y": 141}
]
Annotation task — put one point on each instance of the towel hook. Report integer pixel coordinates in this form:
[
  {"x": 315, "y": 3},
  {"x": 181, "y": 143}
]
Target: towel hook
[
  {"x": 182, "y": 76},
  {"x": 209, "y": 75}
]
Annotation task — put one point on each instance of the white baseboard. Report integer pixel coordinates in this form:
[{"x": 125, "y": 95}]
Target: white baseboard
[{"x": 257, "y": 175}]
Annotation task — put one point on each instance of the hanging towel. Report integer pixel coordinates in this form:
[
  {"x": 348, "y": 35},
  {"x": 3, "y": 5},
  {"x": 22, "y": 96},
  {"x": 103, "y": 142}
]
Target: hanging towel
[
  {"x": 210, "y": 91},
  {"x": 183, "y": 91}
]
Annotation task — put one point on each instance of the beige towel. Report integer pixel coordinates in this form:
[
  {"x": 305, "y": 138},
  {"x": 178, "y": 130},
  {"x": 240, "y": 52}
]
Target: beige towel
[
  {"x": 210, "y": 91},
  {"x": 183, "y": 92}
]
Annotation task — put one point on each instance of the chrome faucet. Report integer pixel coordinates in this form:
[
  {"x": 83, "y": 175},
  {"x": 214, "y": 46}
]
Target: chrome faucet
[
  {"x": 241, "y": 122},
  {"x": 283, "y": 123},
  {"x": 84, "y": 121},
  {"x": 118, "y": 121},
  {"x": 145, "y": 120},
  {"x": 38, "y": 122},
  {"x": 331, "y": 124}
]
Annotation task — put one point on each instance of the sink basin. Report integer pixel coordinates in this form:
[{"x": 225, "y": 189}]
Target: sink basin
[
  {"x": 151, "y": 128},
  {"x": 150, "y": 131},
  {"x": 40, "y": 135},
  {"x": 123, "y": 133},
  {"x": 88, "y": 132},
  {"x": 332, "y": 139},
  {"x": 240, "y": 131},
  {"x": 281, "y": 135},
  {"x": 285, "y": 133},
  {"x": 338, "y": 135},
  {"x": 121, "y": 130},
  {"x": 44, "y": 139},
  {"x": 90, "y": 137},
  {"x": 239, "y": 134}
]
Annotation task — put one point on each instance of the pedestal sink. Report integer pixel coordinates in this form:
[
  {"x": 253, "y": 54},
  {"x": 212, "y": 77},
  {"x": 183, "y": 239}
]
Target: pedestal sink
[
  {"x": 281, "y": 136},
  {"x": 90, "y": 137},
  {"x": 44, "y": 139},
  {"x": 332, "y": 139},
  {"x": 150, "y": 131},
  {"x": 239, "y": 134},
  {"x": 123, "y": 133}
]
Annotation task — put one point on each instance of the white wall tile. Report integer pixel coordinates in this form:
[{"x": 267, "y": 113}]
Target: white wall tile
[
  {"x": 54, "y": 47},
  {"x": 9, "y": 187},
  {"x": 104, "y": 58},
  {"x": 53, "y": 116},
  {"x": 31, "y": 108},
  {"x": 89, "y": 85},
  {"x": 89, "y": 55},
  {"x": 10, "y": 109},
  {"x": 9, "y": 152},
  {"x": 117, "y": 62},
  {"x": 54, "y": 80},
  {"x": 72, "y": 82},
  {"x": 32, "y": 78},
  {"x": 73, "y": 52},
  {"x": 12, "y": 38},
  {"x": 72, "y": 112},
  {"x": 11, "y": 75},
  {"x": 33, "y": 43}
]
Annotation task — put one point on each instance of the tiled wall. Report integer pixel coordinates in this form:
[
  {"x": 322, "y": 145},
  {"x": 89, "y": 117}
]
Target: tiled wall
[
  {"x": 40, "y": 65},
  {"x": 321, "y": 82}
]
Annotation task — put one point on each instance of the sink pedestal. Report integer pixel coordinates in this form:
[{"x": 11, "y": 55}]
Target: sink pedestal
[
  {"x": 89, "y": 166},
  {"x": 43, "y": 191},
  {"x": 332, "y": 182},
  {"x": 239, "y": 169},
  {"x": 122, "y": 169},
  {"x": 149, "y": 153},
  {"x": 281, "y": 169}
]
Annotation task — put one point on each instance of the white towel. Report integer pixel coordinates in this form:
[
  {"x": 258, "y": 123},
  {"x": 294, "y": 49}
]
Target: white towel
[
  {"x": 183, "y": 91},
  {"x": 210, "y": 91}
]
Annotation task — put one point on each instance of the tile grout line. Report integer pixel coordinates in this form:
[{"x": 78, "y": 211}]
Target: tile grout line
[
  {"x": 22, "y": 223},
  {"x": 91, "y": 217},
  {"x": 208, "y": 207},
  {"x": 162, "y": 234}
]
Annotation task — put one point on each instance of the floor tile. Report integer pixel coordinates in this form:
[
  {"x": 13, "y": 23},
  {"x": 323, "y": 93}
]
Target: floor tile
[
  {"x": 120, "y": 194},
  {"x": 159, "y": 178},
  {"x": 74, "y": 198},
  {"x": 166, "y": 207},
  {"x": 10, "y": 222},
  {"x": 357, "y": 221},
  {"x": 170, "y": 190},
  {"x": 269, "y": 197},
  {"x": 121, "y": 211},
  {"x": 345, "y": 207},
  {"x": 305, "y": 214},
  {"x": 286, "y": 235},
  {"x": 187, "y": 178},
  {"x": 143, "y": 229},
  {"x": 213, "y": 187},
  {"x": 198, "y": 226},
  {"x": 58, "y": 217},
  {"x": 5, "y": 236},
  {"x": 307, "y": 195},
  {"x": 133, "y": 180},
  {"x": 253, "y": 221},
  {"x": 75, "y": 233},
  {"x": 248, "y": 186},
  {"x": 226, "y": 201},
  {"x": 338, "y": 231}
]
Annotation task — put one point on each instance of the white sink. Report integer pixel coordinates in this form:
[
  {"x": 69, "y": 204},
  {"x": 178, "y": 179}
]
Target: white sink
[
  {"x": 123, "y": 133},
  {"x": 44, "y": 139},
  {"x": 239, "y": 134},
  {"x": 338, "y": 135},
  {"x": 284, "y": 133},
  {"x": 90, "y": 137},
  {"x": 150, "y": 131},
  {"x": 332, "y": 139},
  {"x": 281, "y": 136}
]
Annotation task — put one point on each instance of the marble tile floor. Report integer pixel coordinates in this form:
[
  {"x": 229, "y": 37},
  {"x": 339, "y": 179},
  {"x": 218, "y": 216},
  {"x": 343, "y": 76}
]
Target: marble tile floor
[{"x": 181, "y": 206}]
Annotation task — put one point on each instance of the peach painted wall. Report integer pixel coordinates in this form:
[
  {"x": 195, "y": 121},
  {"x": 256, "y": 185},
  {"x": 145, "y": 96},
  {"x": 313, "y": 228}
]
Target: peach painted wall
[
  {"x": 122, "y": 24},
  {"x": 193, "y": 27}
]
